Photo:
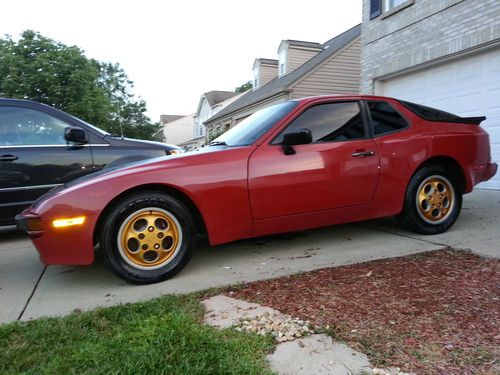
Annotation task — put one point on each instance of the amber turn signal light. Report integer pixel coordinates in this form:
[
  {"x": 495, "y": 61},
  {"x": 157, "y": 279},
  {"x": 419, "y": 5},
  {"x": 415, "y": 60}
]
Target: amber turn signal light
[{"x": 60, "y": 223}]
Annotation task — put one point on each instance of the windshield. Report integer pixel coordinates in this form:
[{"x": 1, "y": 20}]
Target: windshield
[{"x": 253, "y": 127}]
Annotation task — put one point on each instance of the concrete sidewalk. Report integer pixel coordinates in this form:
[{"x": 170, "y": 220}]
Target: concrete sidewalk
[{"x": 29, "y": 290}]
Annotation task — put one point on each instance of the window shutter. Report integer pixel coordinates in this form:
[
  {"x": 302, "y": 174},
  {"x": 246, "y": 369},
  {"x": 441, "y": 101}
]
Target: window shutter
[{"x": 375, "y": 8}]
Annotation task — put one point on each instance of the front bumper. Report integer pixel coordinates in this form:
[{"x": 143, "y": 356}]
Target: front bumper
[
  {"x": 30, "y": 223},
  {"x": 69, "y": 246}
]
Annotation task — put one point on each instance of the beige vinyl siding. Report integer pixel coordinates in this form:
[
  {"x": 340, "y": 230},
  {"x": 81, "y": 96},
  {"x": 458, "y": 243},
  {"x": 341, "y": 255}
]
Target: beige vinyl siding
[
  {"x": 297, "y": 57},
  {"x": 339, "y": 75},
  {"x": 267, "y": 73}
]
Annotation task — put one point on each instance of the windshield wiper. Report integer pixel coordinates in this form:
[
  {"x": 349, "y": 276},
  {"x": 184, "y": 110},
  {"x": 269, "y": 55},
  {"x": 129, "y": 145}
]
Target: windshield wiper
[{"x": 217, "y": 143}]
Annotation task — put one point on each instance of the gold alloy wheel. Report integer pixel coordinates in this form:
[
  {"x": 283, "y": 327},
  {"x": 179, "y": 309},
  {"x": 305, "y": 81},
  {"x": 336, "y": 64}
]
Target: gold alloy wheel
[
  {"x": 435, "y": 199},
  {"x": 149, "y": 238}
]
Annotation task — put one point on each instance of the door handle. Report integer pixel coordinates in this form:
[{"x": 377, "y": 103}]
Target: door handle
[
  {"x": 363, "y": 154},
  {"x": 8, "y": 158}
]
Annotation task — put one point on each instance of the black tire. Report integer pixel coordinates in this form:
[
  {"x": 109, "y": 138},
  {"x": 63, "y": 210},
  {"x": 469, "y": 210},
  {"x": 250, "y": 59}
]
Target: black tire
[
  {"x": 163, "y": 215},
  {"x": 430, "y": 189}
]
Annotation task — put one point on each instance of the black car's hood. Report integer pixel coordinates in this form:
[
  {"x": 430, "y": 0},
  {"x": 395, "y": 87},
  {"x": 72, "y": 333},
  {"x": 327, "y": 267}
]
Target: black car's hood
[
  {"x": 143, "y": 162},
  {"x": 135, "y": 142}
]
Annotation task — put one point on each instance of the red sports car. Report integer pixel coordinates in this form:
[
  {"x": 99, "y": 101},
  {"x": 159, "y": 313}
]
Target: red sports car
[{"x": 296, "y": 165}]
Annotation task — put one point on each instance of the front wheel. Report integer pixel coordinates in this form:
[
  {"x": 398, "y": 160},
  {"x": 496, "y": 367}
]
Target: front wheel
[
  {"x": 148, "y": 237},
  {"x": 433, "y": 201}
]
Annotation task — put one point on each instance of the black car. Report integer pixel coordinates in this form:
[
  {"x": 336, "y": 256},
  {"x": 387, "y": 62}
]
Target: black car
[{"x": 42, "y": 147}]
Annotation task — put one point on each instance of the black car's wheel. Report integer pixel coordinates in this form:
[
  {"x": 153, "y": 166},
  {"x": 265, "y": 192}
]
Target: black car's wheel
[
  {"x": 433, "y": 200},
  {"x": 148, "y": 237}
]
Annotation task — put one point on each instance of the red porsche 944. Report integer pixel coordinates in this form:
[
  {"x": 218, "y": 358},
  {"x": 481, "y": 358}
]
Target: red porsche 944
[{"x": 296, "y": 165}]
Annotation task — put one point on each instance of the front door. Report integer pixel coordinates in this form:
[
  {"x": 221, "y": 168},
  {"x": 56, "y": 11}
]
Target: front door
[
  {"x": 34, "y": 157},
  {"x": 340, "y": 168}
]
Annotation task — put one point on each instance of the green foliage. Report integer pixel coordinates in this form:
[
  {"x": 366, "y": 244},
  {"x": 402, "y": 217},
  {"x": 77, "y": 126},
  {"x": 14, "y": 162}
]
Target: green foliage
[
  {"x": 214, "y": 134},
  {"x": 162, "y": 336},
  {"x": 46, "y": 71},
  {"x": 244, "y": 87}
]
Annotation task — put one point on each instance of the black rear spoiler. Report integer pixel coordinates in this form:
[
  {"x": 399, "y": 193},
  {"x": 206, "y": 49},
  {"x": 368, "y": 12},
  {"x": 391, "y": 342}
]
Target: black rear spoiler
[
  {"x": 470, "y": 120},
  {"x": 433, "y": 114}
]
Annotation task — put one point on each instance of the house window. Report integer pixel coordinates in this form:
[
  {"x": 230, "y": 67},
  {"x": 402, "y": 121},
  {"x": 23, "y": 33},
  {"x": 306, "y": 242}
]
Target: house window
[
  {"x": 256, "y": 78},
  {"x": 375, "y": 8},
  {"x": 389, "y": 4},
  {"x": 282, "y": 62}
]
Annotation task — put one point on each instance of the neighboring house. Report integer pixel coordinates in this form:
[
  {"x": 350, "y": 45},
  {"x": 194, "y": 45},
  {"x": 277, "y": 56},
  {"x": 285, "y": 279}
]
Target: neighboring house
[
  {"x": 178, "y": 131},
  {"x": 210, "y": 103},
  {"x": 303, "y": 69},
  {"x": 442, "y": 53},
  {"x": 164, "y": 119}
]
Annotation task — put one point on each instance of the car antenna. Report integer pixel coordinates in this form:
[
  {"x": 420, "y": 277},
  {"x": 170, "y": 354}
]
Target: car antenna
[{"x": 121, "y": 130}]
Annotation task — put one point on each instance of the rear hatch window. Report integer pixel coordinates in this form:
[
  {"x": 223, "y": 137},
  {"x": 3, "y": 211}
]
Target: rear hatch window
[{"x": 437, "y": 115}]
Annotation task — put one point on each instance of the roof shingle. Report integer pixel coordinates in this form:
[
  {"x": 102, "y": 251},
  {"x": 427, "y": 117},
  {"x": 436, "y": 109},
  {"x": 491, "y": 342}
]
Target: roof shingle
[{"x": 215, "y": 97}]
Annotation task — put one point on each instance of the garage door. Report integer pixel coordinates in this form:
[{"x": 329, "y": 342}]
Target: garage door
[{"x": 468, "y": 86}]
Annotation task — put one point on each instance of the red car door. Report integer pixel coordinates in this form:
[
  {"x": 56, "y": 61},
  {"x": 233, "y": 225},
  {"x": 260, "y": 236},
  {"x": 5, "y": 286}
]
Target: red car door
[{"x": 340, "y": 168}]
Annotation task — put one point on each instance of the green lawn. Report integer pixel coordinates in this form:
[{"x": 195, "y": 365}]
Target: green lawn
[{"x": 163, "y": 336}]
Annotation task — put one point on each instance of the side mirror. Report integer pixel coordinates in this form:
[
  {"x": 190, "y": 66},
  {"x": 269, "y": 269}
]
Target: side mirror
[
  {"x": 75, "y": 135},
  {"x": 299, "y": 137}
]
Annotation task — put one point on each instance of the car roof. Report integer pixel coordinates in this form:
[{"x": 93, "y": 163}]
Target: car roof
[{"x": 25, "y": 103}]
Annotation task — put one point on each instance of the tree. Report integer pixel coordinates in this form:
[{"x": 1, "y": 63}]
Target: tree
[
  {"x": 244, "y": 87},
  {"x": 46, "y": 71}
]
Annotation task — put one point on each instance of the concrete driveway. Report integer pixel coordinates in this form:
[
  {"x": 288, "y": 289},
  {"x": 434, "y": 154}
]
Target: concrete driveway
[{"x": 28, "y": 290}]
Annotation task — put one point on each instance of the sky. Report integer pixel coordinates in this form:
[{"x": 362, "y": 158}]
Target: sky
[{"x": 174, "y": 51}]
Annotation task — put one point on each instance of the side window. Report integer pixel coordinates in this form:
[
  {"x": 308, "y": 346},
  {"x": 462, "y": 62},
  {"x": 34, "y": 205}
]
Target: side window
[
  {"x": 25, "y": 127},
  {"x": 385, "y": 118},
  {"x": 329, "y": 122}
]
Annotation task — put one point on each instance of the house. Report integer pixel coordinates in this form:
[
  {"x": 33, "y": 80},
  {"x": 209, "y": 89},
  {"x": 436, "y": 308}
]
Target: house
[
  {"x": 164, "y": 119},
  {"x": 302, "y": 69},
  {"x": 210, "y": 103},
  {"x": 441, "y": 53},
  {"x": 177, "y": 129}
]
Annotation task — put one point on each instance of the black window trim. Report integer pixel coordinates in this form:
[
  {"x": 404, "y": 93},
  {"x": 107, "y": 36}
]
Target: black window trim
[
  {"x": 366, "y": 124},
  {"x": 372, "y": 130}
]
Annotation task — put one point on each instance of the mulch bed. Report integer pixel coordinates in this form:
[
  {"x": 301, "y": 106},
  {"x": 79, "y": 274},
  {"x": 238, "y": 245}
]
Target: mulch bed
[{"x": 431, "y": 313}]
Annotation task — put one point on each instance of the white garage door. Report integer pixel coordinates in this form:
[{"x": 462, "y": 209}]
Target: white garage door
[{"x": 468, "y": 86}]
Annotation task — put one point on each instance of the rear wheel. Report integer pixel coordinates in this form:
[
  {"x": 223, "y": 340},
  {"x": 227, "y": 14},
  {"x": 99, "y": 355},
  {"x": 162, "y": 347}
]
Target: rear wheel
[
  {"x": 433, "y": 200},
  {"x": 148, "y": 237}
]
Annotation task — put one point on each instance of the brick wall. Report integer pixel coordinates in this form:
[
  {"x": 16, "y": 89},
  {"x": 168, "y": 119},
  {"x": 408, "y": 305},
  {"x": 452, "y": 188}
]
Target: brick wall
[{"x": 424, "y": 32}]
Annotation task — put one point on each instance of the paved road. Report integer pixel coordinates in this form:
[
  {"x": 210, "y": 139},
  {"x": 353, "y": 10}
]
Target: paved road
[{"x": 29, "y": 290}]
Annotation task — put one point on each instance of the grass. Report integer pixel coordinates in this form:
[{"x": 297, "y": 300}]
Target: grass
[{"x": 163, "y": 336}]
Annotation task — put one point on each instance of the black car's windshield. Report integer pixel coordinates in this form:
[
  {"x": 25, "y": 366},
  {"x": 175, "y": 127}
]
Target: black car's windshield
[{"x": 253, "y": 127}]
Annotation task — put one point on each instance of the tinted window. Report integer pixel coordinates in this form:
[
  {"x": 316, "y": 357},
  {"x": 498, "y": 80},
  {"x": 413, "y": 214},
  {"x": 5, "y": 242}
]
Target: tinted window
[
  {"x": 329, "y": 122},
  {"x": 385, "y": 118},
  {"x": 430, "y": 114},
  {"x": 25, "y": 127},
  {"x": 253, "y": 127}
]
